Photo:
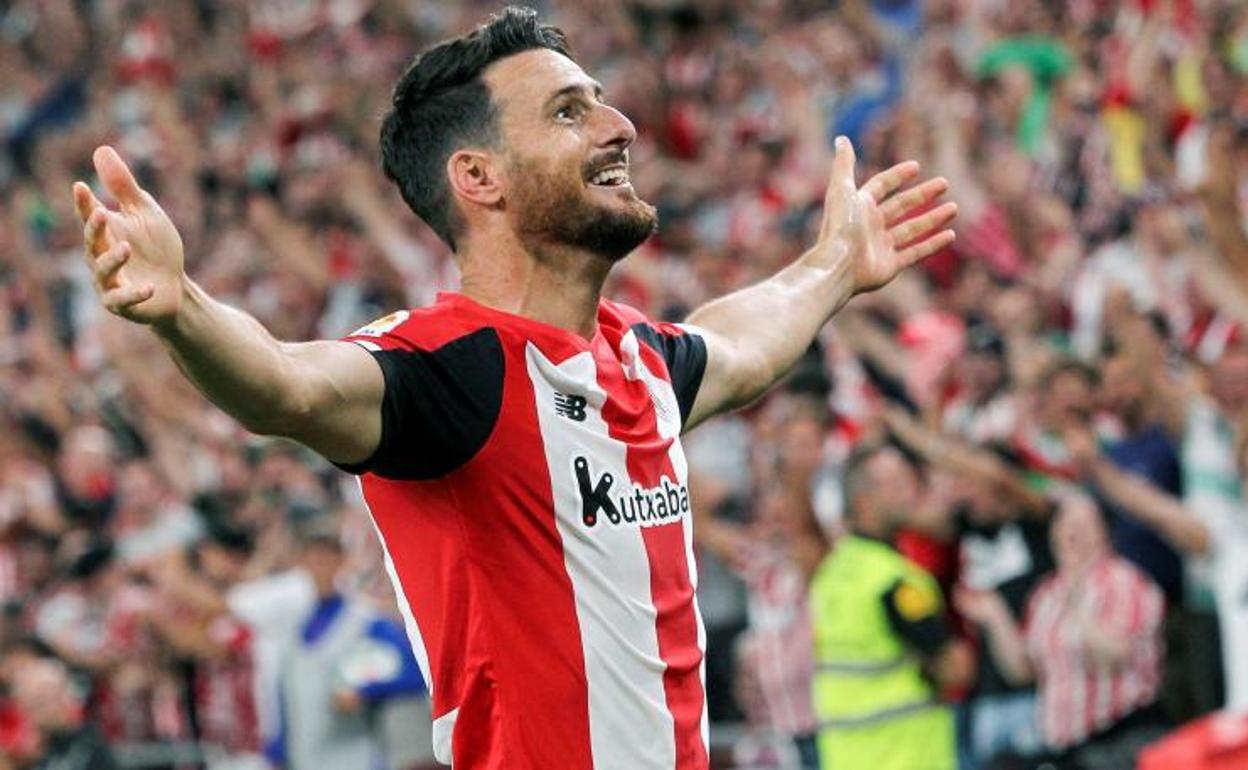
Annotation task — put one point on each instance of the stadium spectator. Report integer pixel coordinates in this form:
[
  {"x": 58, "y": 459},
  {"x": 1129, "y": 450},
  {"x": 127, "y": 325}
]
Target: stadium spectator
[
  {"x": 46, "y": 695},
  {"x": 216, "y": 647},
  {"x": 350, "y": 686},
  {"x": 883, "y": 645},
  {"x": 1001, "y": 529},
  {"x": 775, "y": 554},
  {"x": 1091, "y": 642}
]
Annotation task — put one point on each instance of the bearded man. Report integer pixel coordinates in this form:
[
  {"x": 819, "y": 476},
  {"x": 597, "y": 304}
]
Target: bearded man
[{"x": 518, "y": 442}]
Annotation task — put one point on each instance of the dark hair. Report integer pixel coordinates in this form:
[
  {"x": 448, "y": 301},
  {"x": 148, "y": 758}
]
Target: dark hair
[{"x": 441, "y": 104}]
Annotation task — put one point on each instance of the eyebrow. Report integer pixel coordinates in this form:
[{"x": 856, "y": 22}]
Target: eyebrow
[{"x": 574, "y": 88}]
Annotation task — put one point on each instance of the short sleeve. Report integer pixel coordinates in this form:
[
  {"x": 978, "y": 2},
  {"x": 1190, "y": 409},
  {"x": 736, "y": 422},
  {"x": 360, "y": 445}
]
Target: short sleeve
[
  {"x": 684, "y": 351},
  {"x": 916, "y": 611},
  {"x": 440, "y": 404}
]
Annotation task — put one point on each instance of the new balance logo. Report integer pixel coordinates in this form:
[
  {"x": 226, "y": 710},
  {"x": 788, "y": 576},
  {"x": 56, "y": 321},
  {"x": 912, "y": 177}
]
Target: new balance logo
[{"x": 572, "y": 407}]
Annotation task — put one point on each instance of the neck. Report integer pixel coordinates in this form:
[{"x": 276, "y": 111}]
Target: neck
[
  {"x": 870, "y": 528},
  {"x": 555, "y": 286}
]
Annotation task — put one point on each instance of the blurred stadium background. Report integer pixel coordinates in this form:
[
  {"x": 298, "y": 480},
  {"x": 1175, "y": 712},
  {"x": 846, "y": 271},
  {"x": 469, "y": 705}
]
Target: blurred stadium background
[{"x": 156, "y": 561}]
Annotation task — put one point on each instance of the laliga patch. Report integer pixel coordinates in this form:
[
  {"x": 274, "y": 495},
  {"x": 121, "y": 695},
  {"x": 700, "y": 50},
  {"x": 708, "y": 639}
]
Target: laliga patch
[
  {"x": 381, "y": 325},
  {"x": 915, "y": 603}
]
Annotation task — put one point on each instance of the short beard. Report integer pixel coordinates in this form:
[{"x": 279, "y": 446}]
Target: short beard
[{"x": 552, "y": 210}]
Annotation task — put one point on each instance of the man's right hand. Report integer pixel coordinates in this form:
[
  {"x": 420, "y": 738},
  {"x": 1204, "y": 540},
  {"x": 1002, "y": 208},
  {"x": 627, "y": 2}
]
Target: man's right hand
[{"x": 135, "y": 253}]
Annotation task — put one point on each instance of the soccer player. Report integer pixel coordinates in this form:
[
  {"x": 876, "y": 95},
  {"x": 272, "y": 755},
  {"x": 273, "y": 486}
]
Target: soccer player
[{"x": 518, "y": 442}]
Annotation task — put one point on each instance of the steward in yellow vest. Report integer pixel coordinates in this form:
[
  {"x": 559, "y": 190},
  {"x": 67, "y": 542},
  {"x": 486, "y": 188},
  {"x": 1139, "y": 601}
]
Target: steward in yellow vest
[{"x": 883, "y": 648}]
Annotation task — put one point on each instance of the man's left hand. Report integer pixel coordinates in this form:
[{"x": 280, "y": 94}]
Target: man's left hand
[{"x": 876, "y": 225}]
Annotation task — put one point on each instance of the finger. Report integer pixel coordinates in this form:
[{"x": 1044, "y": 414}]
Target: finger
[
  {"x": 116, "y": 176},
  {"x": 910, "y": 229},
  {"x": 841, "y": 186},
  {"x": 85, "y": 201},
  {"x": 126, "y": 296},
  {"x": 106, "y": 267},
  {"x": 95, "y": 231},
  {"x": 926, "y": 247},
  {"x": 884, "y": 183},
  {"x": 896, "y": 207}
]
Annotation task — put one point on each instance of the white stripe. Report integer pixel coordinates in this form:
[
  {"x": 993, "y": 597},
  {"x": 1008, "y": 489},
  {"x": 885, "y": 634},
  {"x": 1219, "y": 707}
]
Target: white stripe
[
  {"x": 441, "y": 743},
  {"x": 629, "y": 722},
  {"x": 667, "y": 412},
  {"x": 443, "y": 732}
]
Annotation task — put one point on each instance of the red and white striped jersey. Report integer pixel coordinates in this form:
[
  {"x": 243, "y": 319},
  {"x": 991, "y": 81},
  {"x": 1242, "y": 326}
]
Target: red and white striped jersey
[
  {"x": 531, "y": 494},
  {"x": 1080, "y": 696}
]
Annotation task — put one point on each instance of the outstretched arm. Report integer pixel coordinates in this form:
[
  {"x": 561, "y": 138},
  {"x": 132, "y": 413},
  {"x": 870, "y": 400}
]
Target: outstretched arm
[
  {"x": 324, "y": 394},
  {"x": 869, "y": 234},
  {"x": 1139, "y": 498}
]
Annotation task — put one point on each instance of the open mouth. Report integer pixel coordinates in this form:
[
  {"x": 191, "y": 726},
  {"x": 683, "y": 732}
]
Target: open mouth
[{"x": 611, "y": 176}]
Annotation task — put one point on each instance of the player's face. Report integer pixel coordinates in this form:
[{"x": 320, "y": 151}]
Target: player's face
[{"x": 567, "y": 175}]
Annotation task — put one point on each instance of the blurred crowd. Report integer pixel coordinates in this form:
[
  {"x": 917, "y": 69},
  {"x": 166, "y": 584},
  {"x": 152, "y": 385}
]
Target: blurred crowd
[{"x": 1068, "y": 383}]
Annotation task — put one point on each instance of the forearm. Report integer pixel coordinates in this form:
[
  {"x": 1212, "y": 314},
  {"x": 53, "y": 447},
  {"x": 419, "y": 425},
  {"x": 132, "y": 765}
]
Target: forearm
[
  {"x": 771, "y": 324},
  {"x": 1174, "y": 522},
  {"x": 234, "y": 362},
  {"x": 1008, "y": 649}
]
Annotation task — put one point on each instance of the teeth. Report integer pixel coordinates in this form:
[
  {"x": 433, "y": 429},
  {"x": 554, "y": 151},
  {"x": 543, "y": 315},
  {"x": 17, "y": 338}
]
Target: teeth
[{"x": 611, "y": 176}]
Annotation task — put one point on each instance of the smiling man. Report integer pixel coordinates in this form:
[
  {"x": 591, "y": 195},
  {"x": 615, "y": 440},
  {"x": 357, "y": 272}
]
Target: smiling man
[{"x": 518, "y": 442}]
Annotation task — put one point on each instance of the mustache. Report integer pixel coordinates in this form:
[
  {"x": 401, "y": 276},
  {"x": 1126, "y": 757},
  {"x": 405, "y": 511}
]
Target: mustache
[{"x": 612, "y": 158}]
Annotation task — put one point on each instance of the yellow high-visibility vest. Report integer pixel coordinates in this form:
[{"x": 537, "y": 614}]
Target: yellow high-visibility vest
[{"x": 876, "y": 710}]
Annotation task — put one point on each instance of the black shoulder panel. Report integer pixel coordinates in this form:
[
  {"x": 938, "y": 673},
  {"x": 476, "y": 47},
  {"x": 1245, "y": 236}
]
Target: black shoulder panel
[{"x": 439, "y": 409}]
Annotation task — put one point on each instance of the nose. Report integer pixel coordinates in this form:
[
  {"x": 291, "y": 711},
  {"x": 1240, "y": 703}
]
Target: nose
[{"x": 616, "y": 129}]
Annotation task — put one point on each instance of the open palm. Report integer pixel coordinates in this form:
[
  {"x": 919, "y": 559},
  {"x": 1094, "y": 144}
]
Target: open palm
[
  {"x": 878, "y": 225},
  {"x": 135, "y": 253}
]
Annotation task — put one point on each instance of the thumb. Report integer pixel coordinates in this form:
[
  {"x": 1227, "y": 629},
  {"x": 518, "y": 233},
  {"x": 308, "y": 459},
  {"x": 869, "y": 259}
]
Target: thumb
[
  {"x": 841, "y": 188},
  {"x": 116, "y": 176}
]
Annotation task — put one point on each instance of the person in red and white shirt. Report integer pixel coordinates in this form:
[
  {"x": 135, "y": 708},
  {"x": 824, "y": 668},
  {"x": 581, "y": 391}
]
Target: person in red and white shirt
[
  {"x": 1091, "y": 640},
  {"x": 194, "y": 620},
  {"x": 518, "y": 443},
  {"x": 775, "y": 555}
]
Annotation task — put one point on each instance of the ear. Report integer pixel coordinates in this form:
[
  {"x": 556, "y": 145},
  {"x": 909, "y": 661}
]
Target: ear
[{"x": 475, "y": 176}]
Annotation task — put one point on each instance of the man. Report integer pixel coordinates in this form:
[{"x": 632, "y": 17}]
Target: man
[
  {"x": 1147, "y": 450},
  {"x": 350, "y": 689},
  {"x": 883, "y": 648},
  {"x": 193, "y": 619},
  {"x": 43, "y": 690},
  {"x": 518, "y": 443},
  {"x": 1001, "y": 529}
]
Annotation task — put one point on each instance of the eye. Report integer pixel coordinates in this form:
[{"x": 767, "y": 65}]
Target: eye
[{"x": 569, "y": 112}]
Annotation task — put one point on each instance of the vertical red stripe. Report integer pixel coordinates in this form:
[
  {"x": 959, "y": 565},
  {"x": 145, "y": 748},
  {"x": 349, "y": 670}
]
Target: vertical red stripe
[
  {"x": 630, "y": 417},
  {"x": 677, "y": 629}
]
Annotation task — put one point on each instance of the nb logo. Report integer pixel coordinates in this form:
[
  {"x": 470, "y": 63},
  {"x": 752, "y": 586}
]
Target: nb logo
[{"x": 572, "y": 407}]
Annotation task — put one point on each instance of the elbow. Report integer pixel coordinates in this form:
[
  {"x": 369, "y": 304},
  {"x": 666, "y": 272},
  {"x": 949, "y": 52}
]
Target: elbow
[{"x": 1198, "y": 541}]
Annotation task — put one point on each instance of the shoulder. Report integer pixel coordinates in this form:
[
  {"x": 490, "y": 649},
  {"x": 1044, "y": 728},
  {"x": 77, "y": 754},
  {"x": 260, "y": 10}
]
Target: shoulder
[
  {"x": 1119, "y": 575},
  {"x": 426, "y": 328},
  {"x": 648, "y": 330},
  {"x": 916, "y": 595}
]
